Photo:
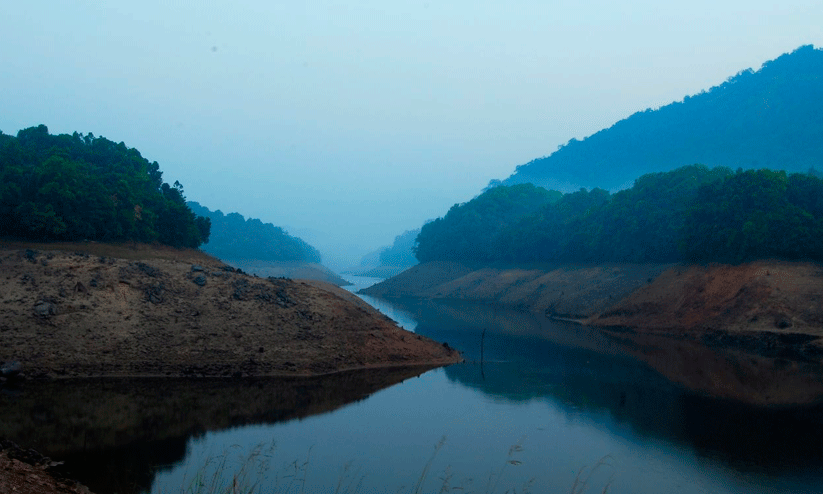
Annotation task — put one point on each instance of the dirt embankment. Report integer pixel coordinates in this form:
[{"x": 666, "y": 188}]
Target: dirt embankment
[
  {"x": 772, "y": 296},
  {"x": 771, "y": 308},
  {"x": 82, "y": 312},
  {"x": 573, "y": 292},
  {"x": 293, "y": 270},
  {"x": 25, "y": 471}
]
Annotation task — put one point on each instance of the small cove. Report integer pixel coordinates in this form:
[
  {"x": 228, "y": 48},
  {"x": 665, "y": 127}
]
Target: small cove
[{"x": 567, "y": 397}]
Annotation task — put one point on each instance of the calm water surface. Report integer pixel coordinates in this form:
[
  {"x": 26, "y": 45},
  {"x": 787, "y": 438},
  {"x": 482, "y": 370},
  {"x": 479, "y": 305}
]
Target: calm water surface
[{"x": 548, "y": 404}]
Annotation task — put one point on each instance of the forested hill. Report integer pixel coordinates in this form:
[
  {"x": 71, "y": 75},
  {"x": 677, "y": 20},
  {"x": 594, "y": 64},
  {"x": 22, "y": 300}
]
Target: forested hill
[
  {"x": 401, "y": 252},
  {"x": 472, "y": 231},
  {"x": 770, "y": 118},
  {"x": 234, "y": 237},
  {"x": 692, "y": 214},
  {"x": 76, "y": 187}
]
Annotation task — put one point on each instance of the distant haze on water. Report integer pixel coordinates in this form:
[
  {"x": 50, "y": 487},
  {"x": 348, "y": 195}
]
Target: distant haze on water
[{"x": 350, "y": 123}]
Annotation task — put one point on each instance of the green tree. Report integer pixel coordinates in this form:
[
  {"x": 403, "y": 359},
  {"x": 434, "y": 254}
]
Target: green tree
[{"x": 74, "y": 187}]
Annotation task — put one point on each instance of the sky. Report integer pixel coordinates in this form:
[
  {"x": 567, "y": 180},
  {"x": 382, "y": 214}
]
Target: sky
[{"x": 348, "y": 123}]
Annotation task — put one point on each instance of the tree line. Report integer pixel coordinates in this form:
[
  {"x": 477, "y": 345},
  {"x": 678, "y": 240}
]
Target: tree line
[
  {"x": 76, "y": 187},
  {"x": 693, "y": 214},
  {"x": 235, "y": 237}
]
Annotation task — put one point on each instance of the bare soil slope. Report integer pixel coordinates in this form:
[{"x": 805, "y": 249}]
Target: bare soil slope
[
  {"x": 27, "y": 472},
  {"x": 770, "y": 308},
  {"x": 773, "y": 296},
  {"x": 70, "y": 313},
  {"x": 293, "y": 270},
  {"x": 558, "y": 291}
]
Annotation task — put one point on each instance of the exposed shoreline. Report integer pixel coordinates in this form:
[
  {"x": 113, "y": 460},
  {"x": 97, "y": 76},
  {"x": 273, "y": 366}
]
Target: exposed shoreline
[
  {"x": 771, "y": 308},
  {"x": 25, "y": 471},
  {"x": 169, "y": 313}
]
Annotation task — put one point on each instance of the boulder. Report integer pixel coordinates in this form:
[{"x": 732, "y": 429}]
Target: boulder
[
  {"x": 11, "y": 369},
  {"x": 43, "y": 308}
]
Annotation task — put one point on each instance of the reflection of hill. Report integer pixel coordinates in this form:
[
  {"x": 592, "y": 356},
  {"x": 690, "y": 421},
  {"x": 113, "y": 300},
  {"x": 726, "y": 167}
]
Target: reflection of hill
[
  {"x": 679, "y": 391},
  {"x": 100, "y": 426},
  {"x": 461, "y": 324},
  {"x": 746, "y": 437},
  {"x": 728, "y": 372},
  {"x": 717, "y": 371}
]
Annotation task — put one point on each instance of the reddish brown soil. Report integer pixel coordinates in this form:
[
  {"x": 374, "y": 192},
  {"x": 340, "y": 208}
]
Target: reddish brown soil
[
  {"x": 92, "y": 309},
  {"x": 26, "y": 472},
  {"x": 778, "y": 297},
  {"x": 101, "y": 310},
  {"x": 769, "y": 308},
  {"x": 558, "y": 291}
]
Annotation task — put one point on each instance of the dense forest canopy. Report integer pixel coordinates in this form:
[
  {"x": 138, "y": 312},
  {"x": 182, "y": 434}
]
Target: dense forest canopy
[
  {"x": 234, "y": 237},
  {"x": 471, "y": 230},
  {"x": 692, "y": 213},
  {"x": 771, "y": 118},
  {"x": 76, "y": 187},
  {"x": 756, "y": 214}
]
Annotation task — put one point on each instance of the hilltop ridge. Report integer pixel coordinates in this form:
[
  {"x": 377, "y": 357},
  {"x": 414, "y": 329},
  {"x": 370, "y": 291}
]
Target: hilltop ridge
[{"x": 771, "y": 117}]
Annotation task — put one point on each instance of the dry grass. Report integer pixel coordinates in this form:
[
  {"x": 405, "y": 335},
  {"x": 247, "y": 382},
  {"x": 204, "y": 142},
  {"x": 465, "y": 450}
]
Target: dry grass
[
  {"x": 584, "y": 475},
  {"x": 214, "y": 478}
]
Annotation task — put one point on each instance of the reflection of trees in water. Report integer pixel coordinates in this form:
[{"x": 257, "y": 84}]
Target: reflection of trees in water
[
  {"x": 114, "y": 434},
  {"x": 631, "y": 381},
  {"x": 748, "y": 438}
]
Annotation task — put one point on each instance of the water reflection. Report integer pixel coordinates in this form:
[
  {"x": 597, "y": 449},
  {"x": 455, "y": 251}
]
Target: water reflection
[
  {"x": 674, "y": 415},
  {"x": 726, "y": 373},
  {"x": 707, "y": 399},
  {"x": 401, "y": 317},
  {"x": 114, "y": 433}
]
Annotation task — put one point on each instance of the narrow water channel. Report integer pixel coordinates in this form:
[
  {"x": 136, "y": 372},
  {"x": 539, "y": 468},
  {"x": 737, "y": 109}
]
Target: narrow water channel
[{"x": 550, "y": 406}]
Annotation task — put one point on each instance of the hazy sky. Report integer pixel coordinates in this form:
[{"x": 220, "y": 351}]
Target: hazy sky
[{"x": 350, "y": 122}]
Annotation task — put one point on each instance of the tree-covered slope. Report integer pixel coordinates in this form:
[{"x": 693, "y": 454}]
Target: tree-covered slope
[
  {"x": 769, "y": 118},
  {"x": 234, "y": 237},
  {"x": 692, "y": 213},
  {"x": 75, "y": 187},
  {"x": 471, "y": 231}
]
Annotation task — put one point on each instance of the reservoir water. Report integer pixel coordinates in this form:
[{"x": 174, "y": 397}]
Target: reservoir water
[{"x": 550, "y": 407}]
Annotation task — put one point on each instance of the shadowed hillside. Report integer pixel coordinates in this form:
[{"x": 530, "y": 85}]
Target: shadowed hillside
[
  {"x": 235, "y": 237},
  {"x": 772, "y": 118}
]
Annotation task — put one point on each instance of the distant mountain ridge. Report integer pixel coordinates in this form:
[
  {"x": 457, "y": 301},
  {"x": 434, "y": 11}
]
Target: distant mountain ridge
[
  {"x": 235, "y": 237},
  {"x": 769, "y": 118},
  {"x": 386, "y": 262},
  {"x": 401, "y": 252}
]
